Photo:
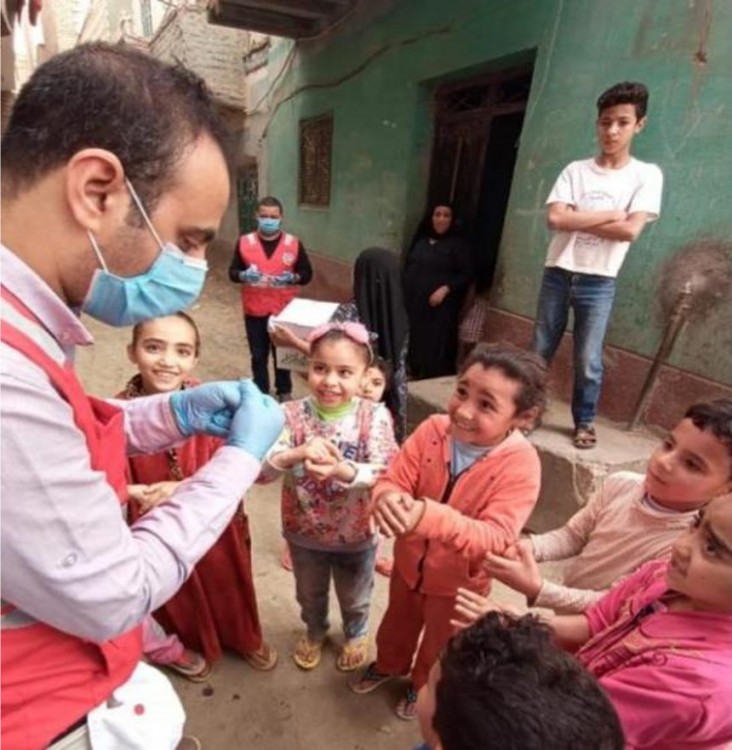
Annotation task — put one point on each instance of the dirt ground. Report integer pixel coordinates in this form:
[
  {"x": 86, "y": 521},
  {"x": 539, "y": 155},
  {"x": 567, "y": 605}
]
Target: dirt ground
[{"x": 285, "y": 709}]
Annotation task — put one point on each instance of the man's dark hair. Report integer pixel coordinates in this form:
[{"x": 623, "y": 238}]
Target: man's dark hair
[
  {"x": 270, "y": 200},
  {"x": 526, "y": 368},
  {"x": 715, "y": 417},
  {"x": 504, "y": 684},
  {"x": 626, "y": 92},
  {"x": 111, "y": 97}
]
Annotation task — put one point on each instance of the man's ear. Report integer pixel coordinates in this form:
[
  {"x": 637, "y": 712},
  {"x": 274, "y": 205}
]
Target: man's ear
[
  {"x": 641, "y": 124},
  {"x": 95, "y": 189}
]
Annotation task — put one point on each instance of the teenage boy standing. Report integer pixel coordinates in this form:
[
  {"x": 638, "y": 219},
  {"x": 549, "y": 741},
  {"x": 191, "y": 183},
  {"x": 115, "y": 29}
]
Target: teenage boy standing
[
  {"x": 270, "y": 265},
  {"x": 596, "y": 208}
]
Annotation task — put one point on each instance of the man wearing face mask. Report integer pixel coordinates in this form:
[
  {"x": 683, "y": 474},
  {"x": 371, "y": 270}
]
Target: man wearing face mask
[
  {"x": 108, "y": 204},
  {"x": 270, "y": 265}
]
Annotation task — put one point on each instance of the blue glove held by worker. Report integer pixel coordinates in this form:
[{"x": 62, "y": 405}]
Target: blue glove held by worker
[
  {"x": 206, "y": 408},
  {"x": 287, "y": 278},
  {"x": 251, "y": 276},
  {"x": 257, "y": 423}
]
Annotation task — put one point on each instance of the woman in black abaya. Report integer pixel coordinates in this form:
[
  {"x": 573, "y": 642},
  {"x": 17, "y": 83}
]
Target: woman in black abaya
[{"x": 437, "y": 274}]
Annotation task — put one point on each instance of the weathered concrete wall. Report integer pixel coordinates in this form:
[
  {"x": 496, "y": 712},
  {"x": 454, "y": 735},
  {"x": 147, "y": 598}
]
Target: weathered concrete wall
[{"x": 377, "y": 77}]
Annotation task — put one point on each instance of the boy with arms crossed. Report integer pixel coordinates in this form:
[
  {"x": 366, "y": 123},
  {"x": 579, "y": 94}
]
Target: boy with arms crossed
[{"x": 596, "y": 208}]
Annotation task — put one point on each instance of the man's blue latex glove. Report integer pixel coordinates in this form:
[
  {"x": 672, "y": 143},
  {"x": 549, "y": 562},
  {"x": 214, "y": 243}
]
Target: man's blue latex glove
[
  {"x": 284, "y": 279},
  {"x": 251, "y": 276},
  {"x": 207, "y": 408},
  {"x": 257, "y": 423}
]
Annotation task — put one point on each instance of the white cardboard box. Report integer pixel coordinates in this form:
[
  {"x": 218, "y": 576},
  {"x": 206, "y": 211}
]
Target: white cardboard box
[{"x": 301, "y": 316}]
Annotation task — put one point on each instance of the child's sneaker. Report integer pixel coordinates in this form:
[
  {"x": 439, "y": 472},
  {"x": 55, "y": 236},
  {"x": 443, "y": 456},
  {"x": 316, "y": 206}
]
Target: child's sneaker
[
  {"x": 191, "y": 665},
  {"x": 369, "y": 680},
  {"x": 406, "y": 709}
]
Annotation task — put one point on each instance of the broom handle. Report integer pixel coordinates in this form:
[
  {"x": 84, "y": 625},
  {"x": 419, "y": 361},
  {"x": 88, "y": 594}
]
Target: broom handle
[{"x": 671, "y": 333}]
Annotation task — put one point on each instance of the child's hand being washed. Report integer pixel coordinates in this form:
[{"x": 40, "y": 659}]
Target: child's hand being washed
[{"x": 517, "y": 568}]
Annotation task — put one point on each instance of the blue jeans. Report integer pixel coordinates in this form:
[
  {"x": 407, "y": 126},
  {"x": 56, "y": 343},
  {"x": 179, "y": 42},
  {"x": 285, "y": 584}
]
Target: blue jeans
[
  {"x": 353, "y": 578},
  {"x": 260, "y": 346},
  {"x": 591, "y": 298}
]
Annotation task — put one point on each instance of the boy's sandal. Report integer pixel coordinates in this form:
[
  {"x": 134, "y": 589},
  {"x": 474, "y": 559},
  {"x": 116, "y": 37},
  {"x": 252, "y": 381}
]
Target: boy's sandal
[
  {"x": 191, "y": 665},
  {"x": 369, "y": 680},
  {"x": 307, "y": 653},
  {"x": 406, "y": 709},
  {"x": 584, "y": 437},
  {"x": 353, "y": 655},
  {"x": 263, "y": 659}
]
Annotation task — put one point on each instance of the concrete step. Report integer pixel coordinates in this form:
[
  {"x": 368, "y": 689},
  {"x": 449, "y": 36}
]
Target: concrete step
[{"x": 570, "y": 476}]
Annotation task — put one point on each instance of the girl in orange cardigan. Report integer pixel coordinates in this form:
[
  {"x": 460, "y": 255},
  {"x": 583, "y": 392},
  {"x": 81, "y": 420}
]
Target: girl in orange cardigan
[{"x": 463, "y": 485}]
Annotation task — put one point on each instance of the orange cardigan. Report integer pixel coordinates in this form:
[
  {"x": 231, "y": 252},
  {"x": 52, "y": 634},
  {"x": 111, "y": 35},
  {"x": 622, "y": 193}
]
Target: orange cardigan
[{"x": 482, "y": 511}]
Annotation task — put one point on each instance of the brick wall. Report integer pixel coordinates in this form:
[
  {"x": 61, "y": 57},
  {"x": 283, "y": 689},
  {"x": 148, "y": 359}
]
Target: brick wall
[{"x": 213, "y": 52}]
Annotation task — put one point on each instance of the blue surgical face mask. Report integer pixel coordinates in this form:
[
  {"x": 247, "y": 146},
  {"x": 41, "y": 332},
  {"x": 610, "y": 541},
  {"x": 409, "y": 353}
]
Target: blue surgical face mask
[
  {"x": 268, "y": 225},
  {"x": 171, "y": 284}
]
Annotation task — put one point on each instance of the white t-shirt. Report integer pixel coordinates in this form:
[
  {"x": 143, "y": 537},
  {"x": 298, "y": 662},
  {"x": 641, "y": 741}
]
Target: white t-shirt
[{"x": 588, "y": 187}]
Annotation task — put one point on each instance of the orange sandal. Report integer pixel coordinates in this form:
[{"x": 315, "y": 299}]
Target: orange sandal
[{"x": 263, "y": 659}]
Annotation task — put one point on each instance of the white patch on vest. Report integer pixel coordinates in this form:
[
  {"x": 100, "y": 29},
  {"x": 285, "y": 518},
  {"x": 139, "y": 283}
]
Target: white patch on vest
[{"x": 288, "y": 259}]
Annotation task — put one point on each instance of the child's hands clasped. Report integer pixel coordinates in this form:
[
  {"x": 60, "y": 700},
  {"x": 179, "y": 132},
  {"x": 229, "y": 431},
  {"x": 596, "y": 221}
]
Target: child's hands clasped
[
  {"x": 397, "y": 513},
  {"x": 517, "y": 568},
  {"x": 322, "y": 460}
]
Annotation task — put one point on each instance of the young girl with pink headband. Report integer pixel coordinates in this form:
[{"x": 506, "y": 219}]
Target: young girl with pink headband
[{"x": 334, "y": 447}]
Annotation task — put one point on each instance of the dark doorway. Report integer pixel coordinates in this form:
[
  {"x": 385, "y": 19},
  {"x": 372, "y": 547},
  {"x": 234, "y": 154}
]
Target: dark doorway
[{"x": 477, "y": 129}]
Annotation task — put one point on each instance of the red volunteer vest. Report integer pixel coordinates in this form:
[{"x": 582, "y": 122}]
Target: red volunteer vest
[
  {"x": 261, "y": 301},
  {"x": 51, "y": 679}
]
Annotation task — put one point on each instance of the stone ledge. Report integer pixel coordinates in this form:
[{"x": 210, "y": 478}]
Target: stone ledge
[{"x": 569, "y": 476}]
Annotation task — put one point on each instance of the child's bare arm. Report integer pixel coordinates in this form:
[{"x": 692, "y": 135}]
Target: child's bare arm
[
  {"x": 282, "y": 336},
  {"x": 571, "y": 631}
]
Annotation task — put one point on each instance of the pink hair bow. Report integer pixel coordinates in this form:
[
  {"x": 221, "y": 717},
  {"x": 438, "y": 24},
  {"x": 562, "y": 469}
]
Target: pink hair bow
[{"x": 355, "y": 331}]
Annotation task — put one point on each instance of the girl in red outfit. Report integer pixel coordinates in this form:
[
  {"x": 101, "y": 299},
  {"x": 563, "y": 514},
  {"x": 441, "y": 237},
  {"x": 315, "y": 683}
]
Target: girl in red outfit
[
  {"x": 216, "y": 608},
  {"x": 463, "y": 485}
]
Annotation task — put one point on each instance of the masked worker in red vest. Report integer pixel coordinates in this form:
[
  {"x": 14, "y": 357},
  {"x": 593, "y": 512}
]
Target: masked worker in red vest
[
  {"x": 270, "y": 265},
  {"x": 109, "y": 201}
]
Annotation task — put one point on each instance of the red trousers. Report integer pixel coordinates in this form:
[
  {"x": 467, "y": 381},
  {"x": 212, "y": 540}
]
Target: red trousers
[{"x": 409, "y": 615}]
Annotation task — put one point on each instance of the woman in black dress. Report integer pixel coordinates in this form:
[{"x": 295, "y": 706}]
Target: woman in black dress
[{"x": 437, "y": 274}]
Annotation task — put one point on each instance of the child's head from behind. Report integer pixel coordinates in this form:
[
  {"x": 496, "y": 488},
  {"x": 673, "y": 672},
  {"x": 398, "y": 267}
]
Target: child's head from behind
[
  {"x": 694, "y": 462},
  {"x": 165, "y": 351},
  {"x": 502, "y": 683},
  {"x": 701, "y": 559},
  {"x": 339, "y": 357},
  {"x": 376, "y": 380},
  {"x": 500, "y": 388},
  {"x": 621, "y": 114}
]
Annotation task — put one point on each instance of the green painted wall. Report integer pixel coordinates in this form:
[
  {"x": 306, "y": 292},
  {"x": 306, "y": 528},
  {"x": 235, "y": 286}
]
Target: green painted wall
[{"x": 382, "y": 132}]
